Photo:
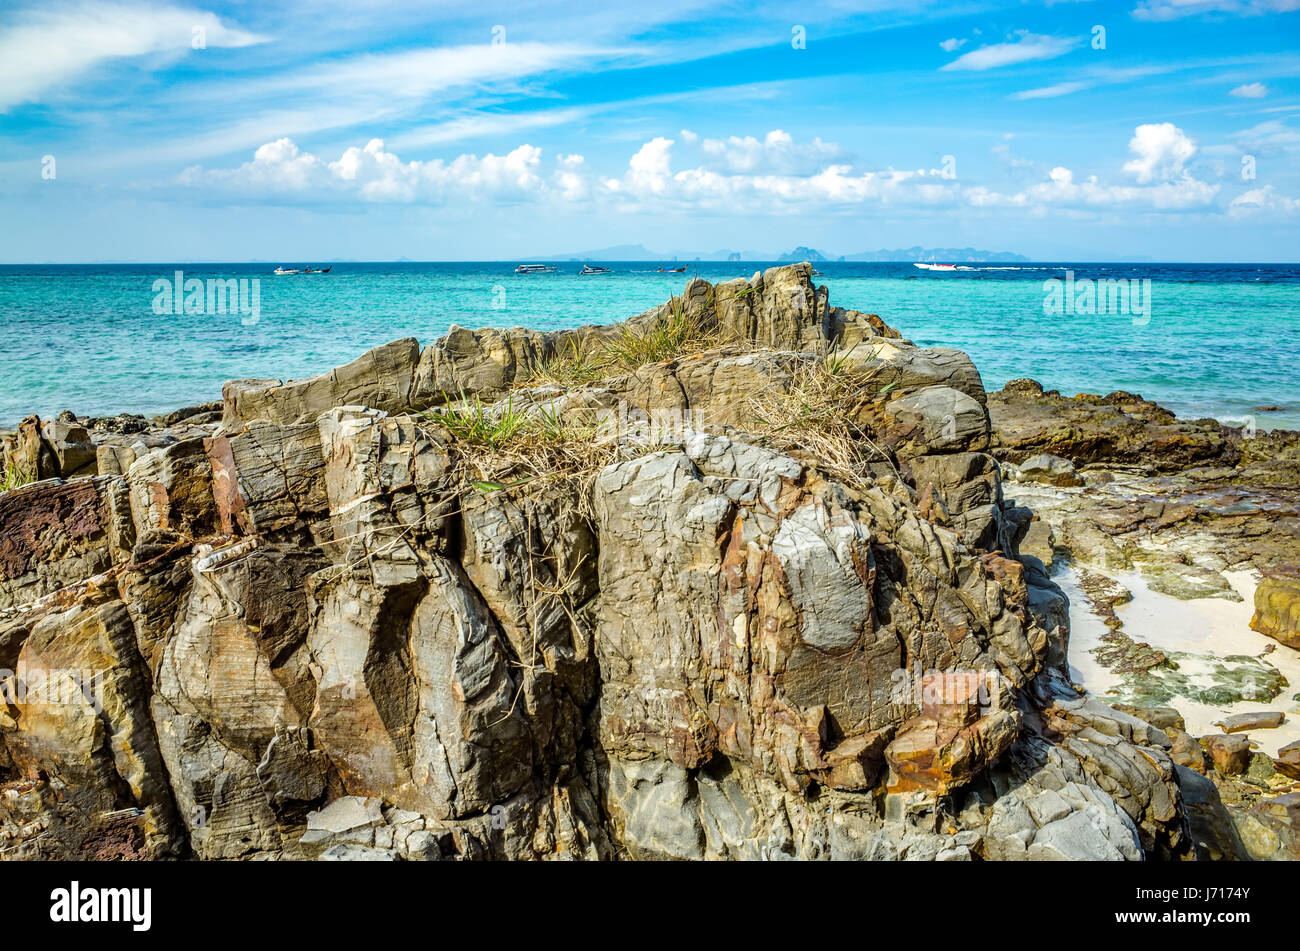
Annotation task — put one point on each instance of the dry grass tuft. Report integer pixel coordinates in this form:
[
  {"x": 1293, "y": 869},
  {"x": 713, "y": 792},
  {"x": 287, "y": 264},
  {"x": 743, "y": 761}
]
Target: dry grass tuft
[
  {"x": 581, "y": 364},
  {"x": 503, "y": 449},
  {"x": 673, "y": 334},
  {"x": 822, "y": 414}
]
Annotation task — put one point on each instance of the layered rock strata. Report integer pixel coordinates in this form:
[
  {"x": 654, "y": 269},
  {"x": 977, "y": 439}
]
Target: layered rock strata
[{"x": 311, "y": 628}]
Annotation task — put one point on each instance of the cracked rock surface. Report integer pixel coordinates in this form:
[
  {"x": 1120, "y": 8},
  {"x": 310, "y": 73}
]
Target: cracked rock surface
[{"x": 318, "y": 639}]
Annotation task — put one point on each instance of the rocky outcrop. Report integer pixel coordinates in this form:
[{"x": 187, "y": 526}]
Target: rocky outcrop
[
  {"x": 373, "y": 616},
  {"x": 1277, "y": 605},
  {"x": 1123, "y": 484},
  {"x": 1121, "y": 428}
]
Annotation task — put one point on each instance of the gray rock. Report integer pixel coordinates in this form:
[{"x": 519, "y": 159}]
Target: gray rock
[{"x": 1048, "y": 469}]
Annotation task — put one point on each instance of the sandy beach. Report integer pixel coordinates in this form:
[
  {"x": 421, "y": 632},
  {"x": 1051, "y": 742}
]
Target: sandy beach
[{"x": 1215, "y": 627}]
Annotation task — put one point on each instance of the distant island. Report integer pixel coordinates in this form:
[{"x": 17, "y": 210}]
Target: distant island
[
  {"x": 639, "y": 252},
  {"x": 936, "y": 254}
]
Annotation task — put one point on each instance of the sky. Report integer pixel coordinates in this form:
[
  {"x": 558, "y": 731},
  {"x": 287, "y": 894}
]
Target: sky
[{"x": 1165, "y": 130}]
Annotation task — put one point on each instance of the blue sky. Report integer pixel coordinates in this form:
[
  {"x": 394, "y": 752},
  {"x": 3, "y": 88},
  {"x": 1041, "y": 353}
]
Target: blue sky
[{"x": 1159, "y": 129}]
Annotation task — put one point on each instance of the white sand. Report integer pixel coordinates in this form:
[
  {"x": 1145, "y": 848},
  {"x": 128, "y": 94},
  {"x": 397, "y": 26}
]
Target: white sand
[{"x": 1204, "y": 625}]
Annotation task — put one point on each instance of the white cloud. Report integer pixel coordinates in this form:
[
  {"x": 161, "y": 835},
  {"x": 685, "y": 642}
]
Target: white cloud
[
  {"x": 736, "y": 177},
  {"x": 374, "y": 174},
  {"x": 1051, "y": 92},
  {"x": 1164, "y": 184},
  {"x": 1175, "y": 9},
  {"x": 650, "y": 179},
  {"x": 569, "y": 178},
  {"x": 951, "y": 45},
  {"x": 1161, "y": 149},
  {"x": 1061, "y": 189},
  {"x": 1250, "y": 91},
  {"x": 52, "y": 46},
  {"x": 413, "y": 75},
  {"x": 1026, "y": 47},
  {"x": 650, "y": 168},
  {"x": 482, "y": 125},
  {"x": 1262, "y": 199},
  {"x": 1270, "y": 136},
  {"x": 776, "y": 152}
]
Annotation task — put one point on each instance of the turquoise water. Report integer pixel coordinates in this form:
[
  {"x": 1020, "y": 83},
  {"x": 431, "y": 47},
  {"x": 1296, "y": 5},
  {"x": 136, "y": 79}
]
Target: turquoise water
[{"x": 1219, "y": 340}]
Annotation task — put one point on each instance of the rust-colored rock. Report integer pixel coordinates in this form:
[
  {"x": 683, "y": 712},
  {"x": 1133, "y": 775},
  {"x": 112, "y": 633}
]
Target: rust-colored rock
[
  {"x": 938, "y": 757},
  {"x": 1230, "y": 754}
]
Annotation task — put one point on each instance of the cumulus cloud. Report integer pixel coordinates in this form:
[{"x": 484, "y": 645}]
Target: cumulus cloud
[
  {"x": 1250, "y": 91},
  {"x": 951, "y": 45},
  {"x": 1161, "y": 149},
  {"x": 1062, "y": 189},
  {"x": 776, "y": 152},
  {"x": 53, "y": 45},
  {"x": 736, "y": 175},
  {"x": 741, "y": 173},
  {"x": 374, "y": 174},
  {"x": 1025, "y": 47},
  {"x": 1161, "y": 152},
  {"x": 650, "y": 169}
]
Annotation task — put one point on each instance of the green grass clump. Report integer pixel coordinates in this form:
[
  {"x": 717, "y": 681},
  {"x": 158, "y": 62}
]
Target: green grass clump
[
  {"x": 580, "y": 364},
  {"x": 671, "y": 335},
  {"x": 479, "y": 425},
  {"x": 12, "y": 476}
]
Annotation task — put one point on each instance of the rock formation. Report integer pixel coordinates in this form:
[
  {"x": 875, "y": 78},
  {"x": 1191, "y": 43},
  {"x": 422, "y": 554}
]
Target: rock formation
[{"x": 781, "y": 613}]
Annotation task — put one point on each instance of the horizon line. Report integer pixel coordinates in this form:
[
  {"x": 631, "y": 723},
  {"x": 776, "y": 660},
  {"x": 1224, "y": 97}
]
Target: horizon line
[{"x": 553, "y": 259}]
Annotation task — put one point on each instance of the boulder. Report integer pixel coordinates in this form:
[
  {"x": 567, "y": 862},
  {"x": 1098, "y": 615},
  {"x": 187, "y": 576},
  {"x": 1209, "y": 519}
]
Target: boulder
[
  {"x": 1048, "y": 469},
  {"x": 1259, "y": 720},
  {"x": 935, "y": 419},
  {"x": 380, "y": 379},
  {"x": 1229, "y": 754},
  {"x": 1287, "y": 761},
  {"x": 73, "y": 450},
  {"x": 1277, "y": 606}
]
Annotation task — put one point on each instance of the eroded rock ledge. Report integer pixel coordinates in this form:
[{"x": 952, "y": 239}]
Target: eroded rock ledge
[{"x": 321, "y": 626}]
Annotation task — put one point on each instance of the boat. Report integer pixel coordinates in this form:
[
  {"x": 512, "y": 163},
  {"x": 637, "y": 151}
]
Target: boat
[
  {"x": 535, "y": 269},
  {"x": 936, "y": 267},
  {"x": 588, "y": 269},
  {"x": 317, "y": 270},
  {"x": 285, "y": 270},
  {"x": 672, "y": 270}
]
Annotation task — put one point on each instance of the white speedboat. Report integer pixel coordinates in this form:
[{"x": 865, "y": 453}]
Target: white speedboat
[
  {"x": 535, "y": 269},
  {"x": 936, "y": 267},
  {"x": 588, "y": 269},
  {"x": 285, "y": 270}
]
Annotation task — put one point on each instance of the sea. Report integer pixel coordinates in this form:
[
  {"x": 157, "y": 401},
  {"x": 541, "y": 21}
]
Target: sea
[{"x": 1219, "y": 340}]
